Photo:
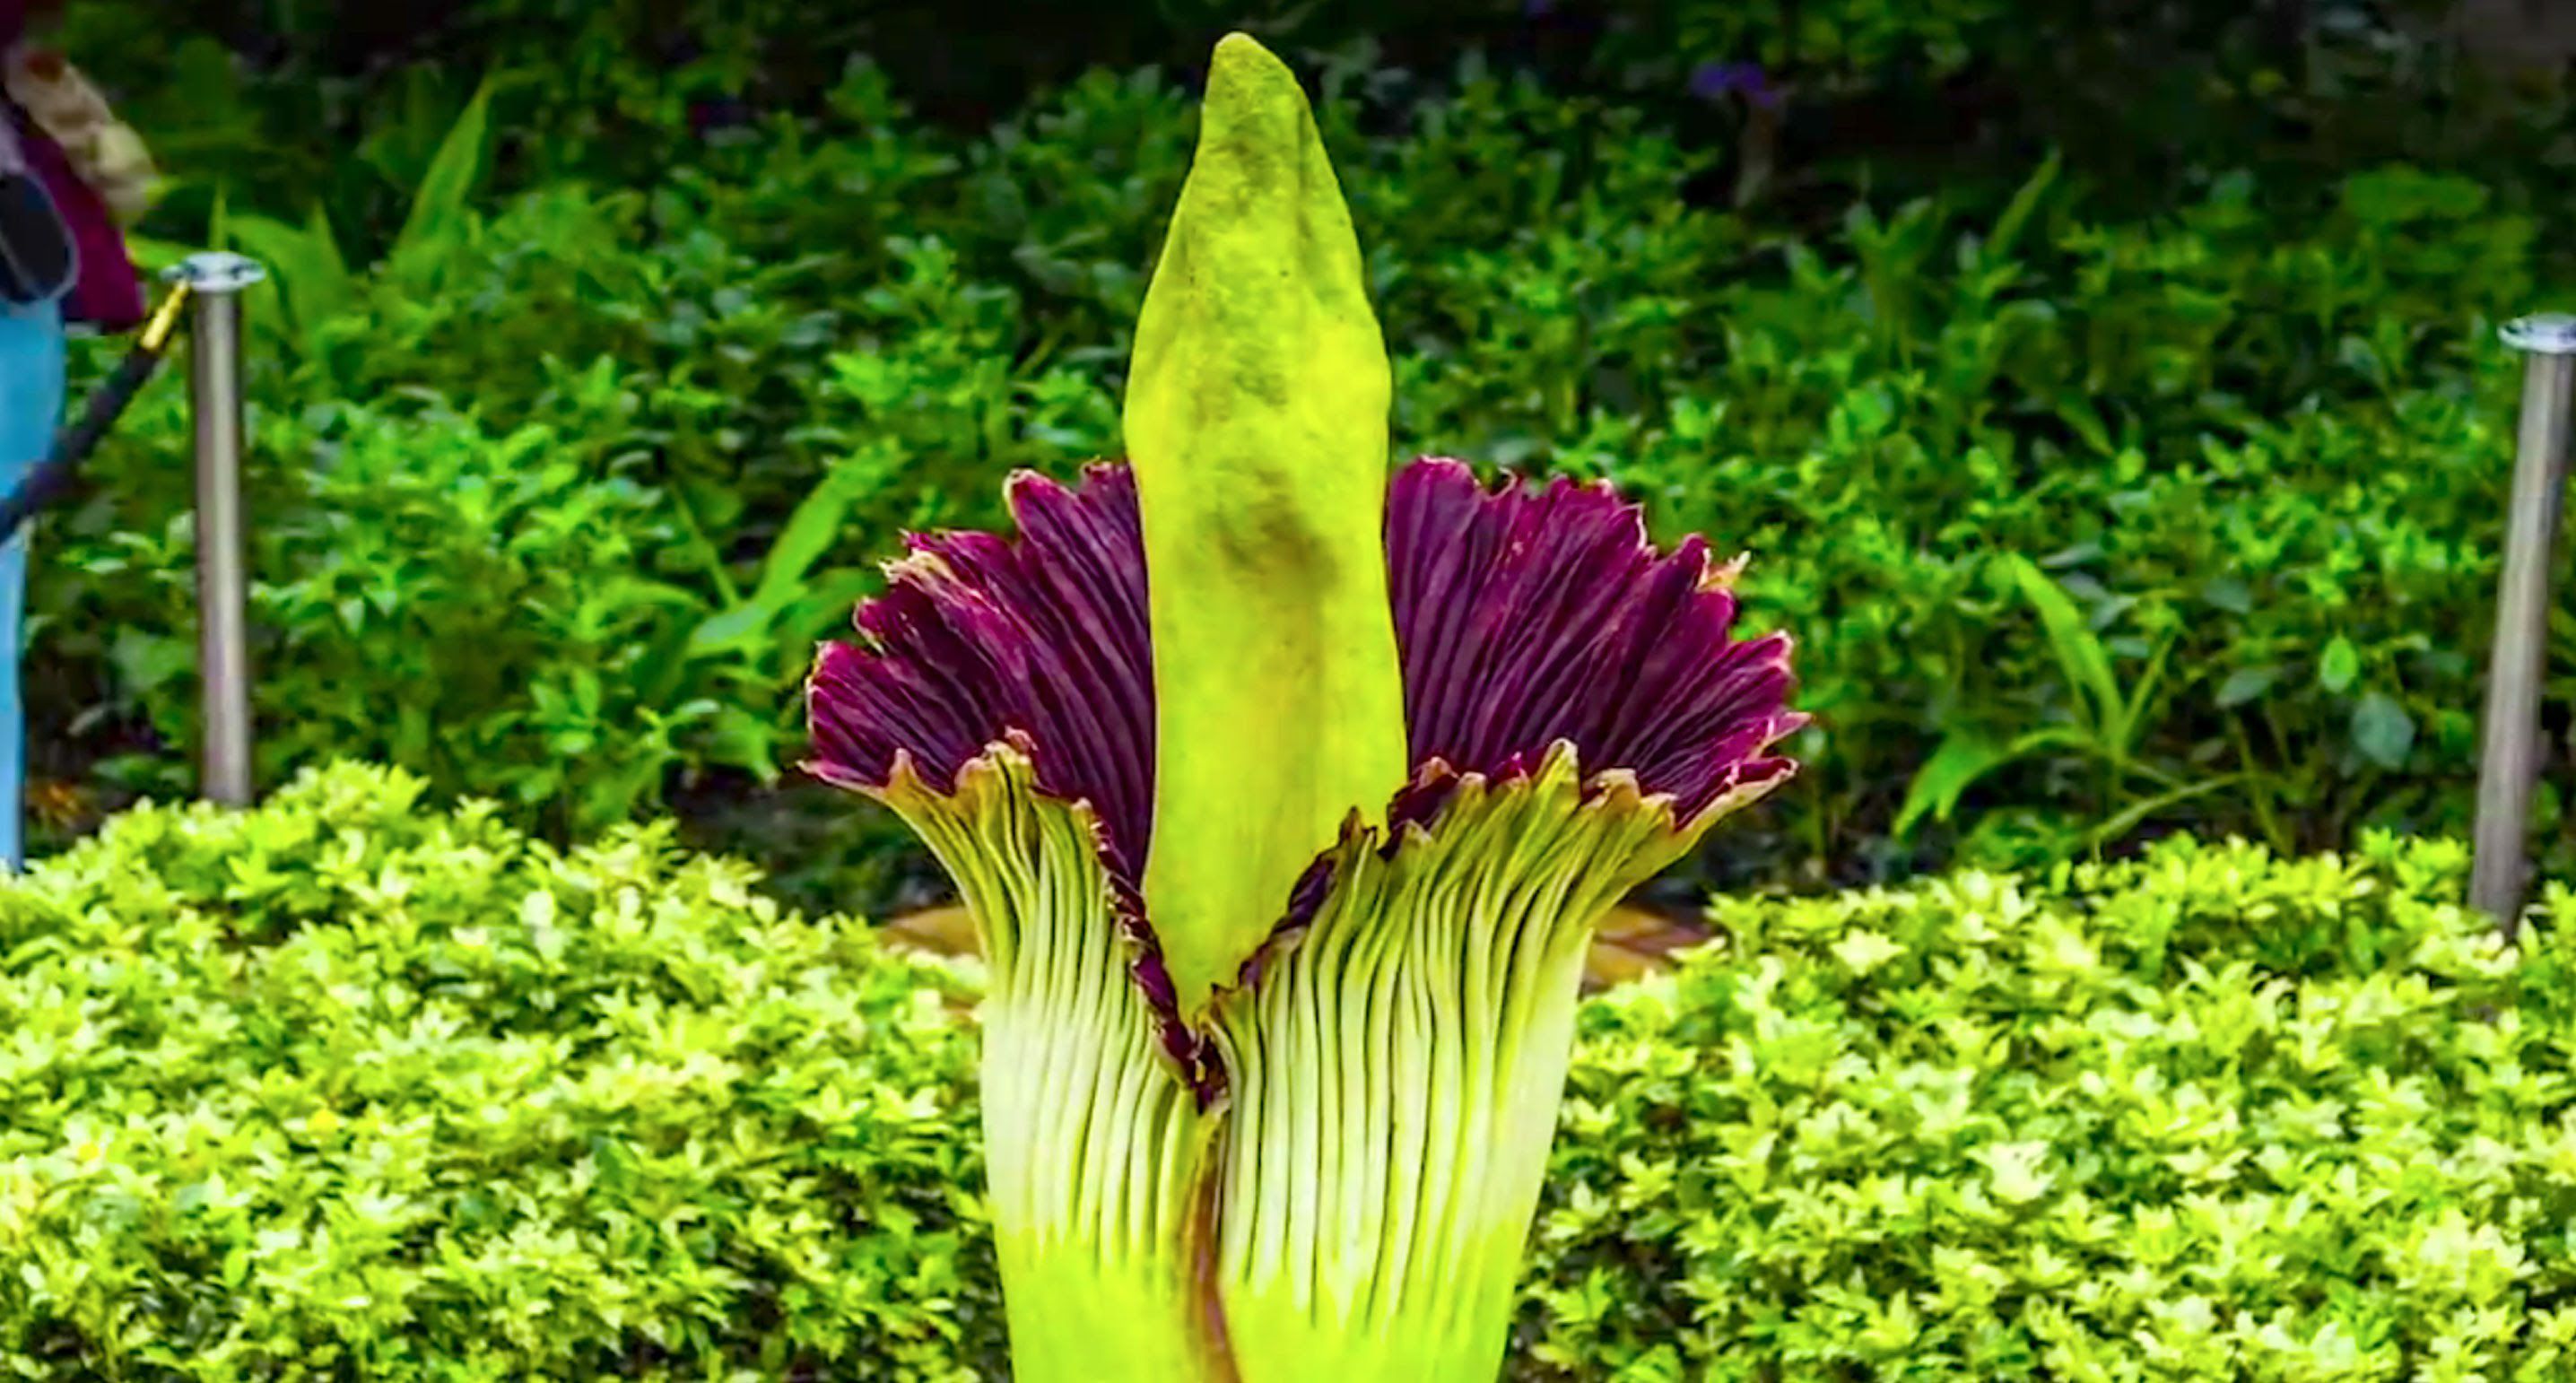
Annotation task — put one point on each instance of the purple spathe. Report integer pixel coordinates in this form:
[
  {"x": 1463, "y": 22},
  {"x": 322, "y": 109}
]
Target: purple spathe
[
  {"x": 1523, "y": 618},
  {"x": 978, "y": 637},
  {"x": 1039, "y": 643},
  {"x": 1528, "y": 617}
]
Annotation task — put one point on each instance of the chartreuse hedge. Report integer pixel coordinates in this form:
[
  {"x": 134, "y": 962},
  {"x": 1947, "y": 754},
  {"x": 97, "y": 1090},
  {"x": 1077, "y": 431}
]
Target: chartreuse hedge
[
  {"x": 351, "y": 1087},
  {"x": 344, "y": 1089}
]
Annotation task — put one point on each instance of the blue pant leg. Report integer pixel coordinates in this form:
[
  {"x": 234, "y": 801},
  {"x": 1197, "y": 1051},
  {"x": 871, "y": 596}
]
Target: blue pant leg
[{"x": 31, "y": 407}]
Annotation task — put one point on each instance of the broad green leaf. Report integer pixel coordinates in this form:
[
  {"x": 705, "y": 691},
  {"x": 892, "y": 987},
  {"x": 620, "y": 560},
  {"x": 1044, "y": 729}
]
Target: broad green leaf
[
  {"x": 2382, "y": 730},
  {"x": 811, "y": 529},
  {"x": 749, "y": 742},
  {"x": 2340, "y": 664},
  {"x": 334, "y": 289},
  {"x": 2229, "y": 593},
  {"x": 312, "y": 283},
  {"x": 152, "y": 255},
  {"x": 732, "y": 627},
  {"x": 2082, "y": 418},
  {"x": 2245, "y": 684},
  {"x": 2079, "y": 651},
  {"x": 807, "y": 535},
  {"x": 2142, "y": 695},
  {"x": 438, "y": 208},
  {"x": 2016, "y": 215},
  {"x": 279, "y": 250},
  {"x": 1964, "y": 757}
]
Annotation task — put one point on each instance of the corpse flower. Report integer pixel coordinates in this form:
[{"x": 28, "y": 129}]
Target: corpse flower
[{"x": 1284, "y": 793}]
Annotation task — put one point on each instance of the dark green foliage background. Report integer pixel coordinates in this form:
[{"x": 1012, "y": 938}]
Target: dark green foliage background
[{"x": 583, "y": 409}]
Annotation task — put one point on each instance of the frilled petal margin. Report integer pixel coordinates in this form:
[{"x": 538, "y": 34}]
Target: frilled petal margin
[
  {"x": 1530, "y": 618},
  {"x": 979, "y": 636},
  {"x": 1396, "y": 1073},
  {"x": 1039, "y": 644},
  {"x": 1094, "y": 1156},
  {"x": 1525, "y": 620}
]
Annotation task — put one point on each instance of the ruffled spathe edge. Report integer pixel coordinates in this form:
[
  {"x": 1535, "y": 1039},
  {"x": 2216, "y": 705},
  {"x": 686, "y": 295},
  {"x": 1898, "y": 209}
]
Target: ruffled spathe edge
[
  {"x": 1395, "y": 1072},
  {"x": 1530, "y": 616},
  {"x": 1413, "y": 827},
  {"x": 1538, "y": 627},
  {"x": 979, "y": 638},
  {"x": 1012, "y": 761}
]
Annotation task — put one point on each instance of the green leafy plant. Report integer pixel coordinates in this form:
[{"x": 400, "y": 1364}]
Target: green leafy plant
[
  {"x": 2108, "y": 725},
  {"x": 390, "y": 540},
  {"x": 352, "y": 1081},
  {"x": 310, "y": 286},
  {"x": 2209, "y": 1113},
  {"x": 344, "y": 1083},
  {"x": 2253, "y": 407}
]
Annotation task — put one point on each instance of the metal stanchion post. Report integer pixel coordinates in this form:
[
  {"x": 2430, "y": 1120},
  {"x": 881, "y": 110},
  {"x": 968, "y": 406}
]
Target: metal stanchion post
[
  {"x": 2509, "y": 764},
  {"x": 223, "y": 627}
]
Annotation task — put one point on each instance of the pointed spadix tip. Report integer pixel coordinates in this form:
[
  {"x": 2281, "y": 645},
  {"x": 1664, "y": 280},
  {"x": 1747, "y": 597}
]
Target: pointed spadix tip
[
  {"x": 1245, "y": 77},
  {"x": 1240, "y": 55}
]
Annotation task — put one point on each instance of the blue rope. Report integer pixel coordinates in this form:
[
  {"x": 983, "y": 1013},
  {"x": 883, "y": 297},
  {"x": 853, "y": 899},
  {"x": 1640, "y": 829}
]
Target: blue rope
[{"x": 31, "y": 406}]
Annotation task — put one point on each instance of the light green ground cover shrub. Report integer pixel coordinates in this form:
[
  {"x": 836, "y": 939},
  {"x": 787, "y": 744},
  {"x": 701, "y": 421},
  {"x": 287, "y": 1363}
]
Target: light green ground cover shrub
[{"x": 352, "y": 1087}]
